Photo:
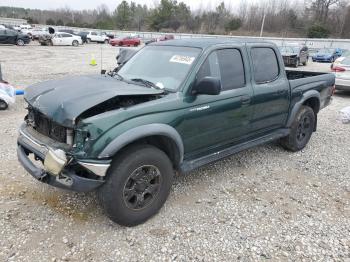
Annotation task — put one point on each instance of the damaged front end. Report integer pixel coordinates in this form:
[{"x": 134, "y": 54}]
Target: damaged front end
[
  {"x": 53, "y": 142},
  {"x": 58, "y": 166}
]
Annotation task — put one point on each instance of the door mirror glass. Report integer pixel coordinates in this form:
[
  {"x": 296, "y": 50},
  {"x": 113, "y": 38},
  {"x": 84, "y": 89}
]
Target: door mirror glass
[{"x": 207, "y": 86}]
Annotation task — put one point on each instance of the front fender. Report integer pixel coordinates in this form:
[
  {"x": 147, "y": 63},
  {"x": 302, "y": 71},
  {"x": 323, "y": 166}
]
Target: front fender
[{"x": 142, "y": 132}]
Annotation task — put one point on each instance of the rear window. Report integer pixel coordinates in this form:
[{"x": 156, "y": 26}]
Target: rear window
[{"x": 265, "y": 64}]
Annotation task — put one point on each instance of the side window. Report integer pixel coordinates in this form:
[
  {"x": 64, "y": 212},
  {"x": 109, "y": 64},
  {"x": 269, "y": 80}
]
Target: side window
[
  {"x": 231, "y": 69},
  {"x": 227, "y": 65},
  {"x": 209, "y": 68},
  {"x": 265, "y": 64},
  {"x": 66, "y": 35},
  {"x": 93, "y": 33}
]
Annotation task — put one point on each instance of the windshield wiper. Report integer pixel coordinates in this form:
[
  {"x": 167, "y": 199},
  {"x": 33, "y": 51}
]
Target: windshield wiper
[{"x": 145, "y": 82}]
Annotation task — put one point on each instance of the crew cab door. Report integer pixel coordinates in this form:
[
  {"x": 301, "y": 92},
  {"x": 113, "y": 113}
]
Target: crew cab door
[
  {"x": 213, "y": 121},
  {"x": 271, "y": 89}
]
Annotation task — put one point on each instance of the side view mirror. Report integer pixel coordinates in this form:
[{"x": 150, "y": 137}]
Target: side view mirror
[{"x": 207, "y": 86}]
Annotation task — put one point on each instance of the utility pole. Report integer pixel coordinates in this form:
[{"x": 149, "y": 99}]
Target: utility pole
[{"x": 262, "y": 25}]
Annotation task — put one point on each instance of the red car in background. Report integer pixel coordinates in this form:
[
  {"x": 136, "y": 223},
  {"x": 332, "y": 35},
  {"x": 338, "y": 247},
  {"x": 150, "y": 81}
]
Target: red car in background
[{"x": 126, "y": 41}]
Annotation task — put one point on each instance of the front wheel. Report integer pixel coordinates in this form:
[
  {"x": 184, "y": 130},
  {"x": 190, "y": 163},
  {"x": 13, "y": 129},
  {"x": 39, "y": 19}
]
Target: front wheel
[
  {"x": 138, "y": 183},
  {"x": 301, "y": 130},
  {"x": 75, "y": 43},
  {"x": 20, "y": 42}
]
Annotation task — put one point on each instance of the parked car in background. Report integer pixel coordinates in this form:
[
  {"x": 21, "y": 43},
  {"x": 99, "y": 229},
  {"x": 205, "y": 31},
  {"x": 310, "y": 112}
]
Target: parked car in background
[
  {"x": 294, "y": 55},
  {"x": 344, "y": 55},
  {"x": 8, "y": 36},
  {"x": 166, "y": 37},
  {"x": 61, "y": 38},
  {"x": 97, "y": 37},
  {"x": 126, "y": 41},
  {"x": 109, "y": 35},
  {"x": 327, "y": 55},
  {"x": 83, "y": 36},
  {"x": 148, "y": 40},
  {"x": 38, "y": 32},
  {"x": 342, "y": 74}
]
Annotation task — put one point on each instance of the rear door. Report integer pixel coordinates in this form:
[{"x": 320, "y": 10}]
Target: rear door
[
  {"x": 271, "y": 89},
  {"x": 214, "y": 121}
]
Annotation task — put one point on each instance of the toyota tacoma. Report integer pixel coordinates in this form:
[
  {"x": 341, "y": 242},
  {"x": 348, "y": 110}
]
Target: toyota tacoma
[{"x": 172, "y": 107}]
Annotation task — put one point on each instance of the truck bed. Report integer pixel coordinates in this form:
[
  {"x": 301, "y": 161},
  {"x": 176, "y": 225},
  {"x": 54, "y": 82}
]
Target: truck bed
[
  {"x": 308, "y": 79},
  {"x": 303, "y": 81}
]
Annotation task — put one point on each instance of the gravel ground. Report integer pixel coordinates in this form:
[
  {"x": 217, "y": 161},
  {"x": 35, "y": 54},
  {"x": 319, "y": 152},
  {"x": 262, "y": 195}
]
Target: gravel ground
[{"x": 262, "y": 204}]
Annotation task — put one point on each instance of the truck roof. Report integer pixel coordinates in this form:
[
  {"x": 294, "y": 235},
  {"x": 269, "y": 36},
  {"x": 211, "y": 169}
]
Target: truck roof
[{"x": 207, "y": 42}]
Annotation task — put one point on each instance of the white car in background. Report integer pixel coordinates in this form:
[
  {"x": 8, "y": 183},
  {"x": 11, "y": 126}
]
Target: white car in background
[
  {"x": 342, "y": 74},
  {"x": 61, "y": 38},
  {"x": 97, "y": 37}
]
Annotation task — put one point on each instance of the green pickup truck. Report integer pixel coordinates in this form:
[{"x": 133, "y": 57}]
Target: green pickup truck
[{"x": 172, "y": 107}]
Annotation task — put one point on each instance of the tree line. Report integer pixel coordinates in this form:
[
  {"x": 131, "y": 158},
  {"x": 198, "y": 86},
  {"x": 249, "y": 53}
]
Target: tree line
[{"x": 285, "y": 18}]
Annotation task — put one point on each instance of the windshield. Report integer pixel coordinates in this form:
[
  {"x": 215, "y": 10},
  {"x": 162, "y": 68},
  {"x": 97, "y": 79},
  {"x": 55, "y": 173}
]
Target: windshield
[{"x": 165, "y": 66}]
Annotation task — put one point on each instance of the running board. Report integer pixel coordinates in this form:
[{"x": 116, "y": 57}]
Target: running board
[{"x": 189, "y": 165}]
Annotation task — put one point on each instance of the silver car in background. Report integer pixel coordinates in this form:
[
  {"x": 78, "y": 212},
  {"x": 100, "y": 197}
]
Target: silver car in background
[{"x": 341, "y": 70}]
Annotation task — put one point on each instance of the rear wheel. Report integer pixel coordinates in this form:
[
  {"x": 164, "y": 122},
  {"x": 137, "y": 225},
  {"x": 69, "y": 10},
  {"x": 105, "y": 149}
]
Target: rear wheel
[
  {"x": 136, "y": 44},
  {"x": 301, "y": 130},
  {"x": 138, "y": 184},
  {"x": 120, "y": 44},
  {"x": 20, "y": 42},
  {"x": 3, "y": 105}
]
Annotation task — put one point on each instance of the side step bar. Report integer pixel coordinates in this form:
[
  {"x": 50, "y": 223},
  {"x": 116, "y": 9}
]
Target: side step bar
[{"x": 189, "y": 165}]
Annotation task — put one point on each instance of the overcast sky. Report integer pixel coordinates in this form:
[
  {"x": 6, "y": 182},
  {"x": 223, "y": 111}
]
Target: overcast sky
[{"x": 86, "y": 4}]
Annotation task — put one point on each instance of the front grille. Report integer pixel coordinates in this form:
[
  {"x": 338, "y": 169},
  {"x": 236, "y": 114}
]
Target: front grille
[{"x": 46, "y": 127}]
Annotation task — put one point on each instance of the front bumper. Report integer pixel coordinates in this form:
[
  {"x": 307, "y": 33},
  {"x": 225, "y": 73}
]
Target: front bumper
[{"x": 31, "y": 142}]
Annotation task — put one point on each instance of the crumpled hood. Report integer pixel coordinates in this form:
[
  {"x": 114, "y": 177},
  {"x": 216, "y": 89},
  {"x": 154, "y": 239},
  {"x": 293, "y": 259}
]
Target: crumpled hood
[{"x": 64, "y": 100}]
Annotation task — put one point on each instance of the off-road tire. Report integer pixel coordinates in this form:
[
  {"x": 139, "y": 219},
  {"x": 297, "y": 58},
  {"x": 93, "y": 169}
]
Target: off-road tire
[
  {"x": 113, "y": 194},
  {"x": 75, "y": 43},
  {"x": 20, "y": 42},
  {"x": 300, "y": 131},
  {"x": 3, "y": 105}
]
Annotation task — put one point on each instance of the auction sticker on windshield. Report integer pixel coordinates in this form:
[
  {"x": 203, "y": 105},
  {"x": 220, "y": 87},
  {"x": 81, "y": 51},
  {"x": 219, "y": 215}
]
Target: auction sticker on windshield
[{"x": 188, "y": 60}]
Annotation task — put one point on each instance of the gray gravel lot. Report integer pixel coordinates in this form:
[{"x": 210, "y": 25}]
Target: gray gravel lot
[{"x": 262, "y": 204}]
